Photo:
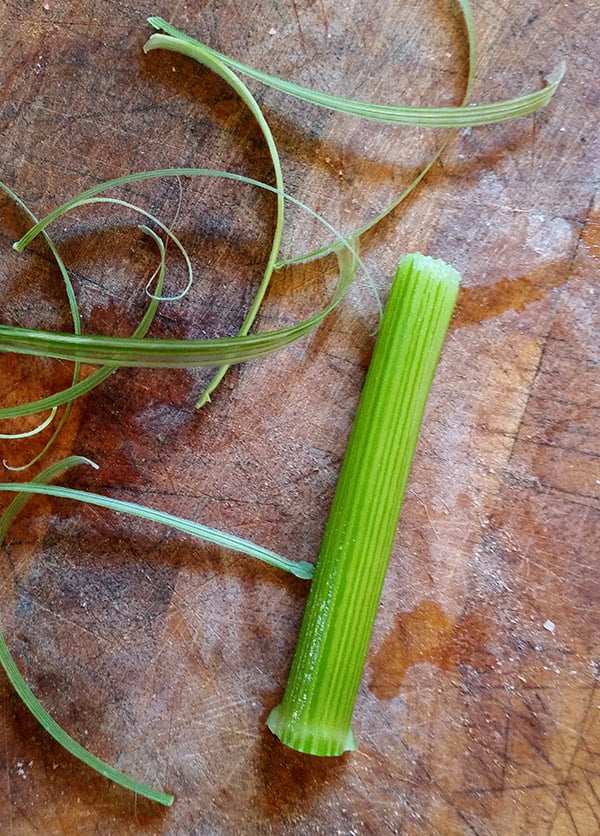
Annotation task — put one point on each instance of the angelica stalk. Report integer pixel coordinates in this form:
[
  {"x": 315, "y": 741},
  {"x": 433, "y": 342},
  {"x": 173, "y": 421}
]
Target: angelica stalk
[{"x": 315, "y": 713}]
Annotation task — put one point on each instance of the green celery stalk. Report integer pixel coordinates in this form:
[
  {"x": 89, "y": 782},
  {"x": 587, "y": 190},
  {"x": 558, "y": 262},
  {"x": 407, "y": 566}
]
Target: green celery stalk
[{"x": 316, "y": 711}]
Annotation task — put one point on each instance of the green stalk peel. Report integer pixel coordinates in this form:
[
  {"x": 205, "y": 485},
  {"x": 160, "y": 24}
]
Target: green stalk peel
[
  {"x": 428, "y": 117},
  {"x": 315, "y": 713},
  {"x": 39, "y": 485},
  {"x": 16, "y": 678}
]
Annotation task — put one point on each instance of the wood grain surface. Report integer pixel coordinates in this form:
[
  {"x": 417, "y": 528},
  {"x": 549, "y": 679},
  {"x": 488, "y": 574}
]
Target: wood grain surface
[{"x": 479, "y": 711}]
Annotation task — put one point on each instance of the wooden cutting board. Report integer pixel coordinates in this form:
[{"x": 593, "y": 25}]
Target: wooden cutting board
[{"x": 479, "y": 711}]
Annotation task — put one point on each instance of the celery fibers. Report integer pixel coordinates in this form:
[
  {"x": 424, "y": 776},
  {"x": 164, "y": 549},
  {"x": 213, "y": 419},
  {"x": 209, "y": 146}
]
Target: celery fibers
[{"x": 316, "y": 711}]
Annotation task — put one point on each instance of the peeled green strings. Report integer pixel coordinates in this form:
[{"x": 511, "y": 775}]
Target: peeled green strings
[
  {"x": 208, "y": 353},
  {"x": 427, "y": 117},
  {"x": 79, "y": 388},
  {"x": 179, "y": 42},
  {"x": 139, "y": 351},
  {"x": 165, "y": 353},
  {"x": 15, "y": 677},
  {"x": 29, "y": 433},
  {"x": 39, "y": 485}
]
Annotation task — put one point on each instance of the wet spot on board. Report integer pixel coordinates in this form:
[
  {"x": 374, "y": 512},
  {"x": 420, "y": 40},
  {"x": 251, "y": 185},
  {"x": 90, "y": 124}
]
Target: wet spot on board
[
  {"x": 427, "y": 634},
  {"x": 550, "y": 237},
  {"x": 590, "y": 237},
  {"x": 292, "y": 781},
  {"x": 476, "y": 304}
]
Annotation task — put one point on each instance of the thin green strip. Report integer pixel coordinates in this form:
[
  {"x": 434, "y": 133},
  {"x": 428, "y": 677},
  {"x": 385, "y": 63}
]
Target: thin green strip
[
  {"x": 29, "y": 433},
  {"x": 358, "y": 233},
  {"x": 74, "y": 310},
  {"x": 426, "y": 117},
  {"x": 149, "y": 353},
  {"x": 24, "y": 691},
  {"x": 196, "y": 52},
  {"x": 299, "y": 568},
  {"x": 91, "y": 381},
  {"x": 77, "y": 389},
  {"x": 66, "y": 741}
]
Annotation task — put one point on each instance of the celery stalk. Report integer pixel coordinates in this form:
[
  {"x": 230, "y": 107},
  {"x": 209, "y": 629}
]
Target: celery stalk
[{"x": 316, "y": 711}]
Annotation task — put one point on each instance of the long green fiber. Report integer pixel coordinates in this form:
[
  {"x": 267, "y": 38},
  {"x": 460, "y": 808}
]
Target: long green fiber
[
  {"x": 428, "y": 117},
  {"x": 39, "y": 485},
  {"x": 16, "y": 678},
  {"x": 300, "y": 568}
]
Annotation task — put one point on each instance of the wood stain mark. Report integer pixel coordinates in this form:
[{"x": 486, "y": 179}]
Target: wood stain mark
[
  {"x": 476, "y": 304},
  {"x": 292, "y": 783},
  {"x": 426, "y": 634},
  {"x": 590, "y": 236}
]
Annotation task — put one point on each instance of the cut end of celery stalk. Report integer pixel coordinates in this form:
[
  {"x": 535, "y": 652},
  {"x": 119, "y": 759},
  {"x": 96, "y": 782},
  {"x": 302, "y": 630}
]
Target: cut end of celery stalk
[{"x": 310, "y": 739}]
